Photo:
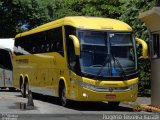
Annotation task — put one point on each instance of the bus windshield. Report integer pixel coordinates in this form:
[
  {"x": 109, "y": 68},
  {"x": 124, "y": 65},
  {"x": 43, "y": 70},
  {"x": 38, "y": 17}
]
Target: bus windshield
[{"x": 107, "y": 54}]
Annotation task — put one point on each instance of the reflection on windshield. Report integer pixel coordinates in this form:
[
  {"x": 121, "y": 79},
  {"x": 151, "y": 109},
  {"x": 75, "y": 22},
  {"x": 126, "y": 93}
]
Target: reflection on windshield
[
  {"x": 122, "y": 51},
  {"x": 106, "y": 54}
]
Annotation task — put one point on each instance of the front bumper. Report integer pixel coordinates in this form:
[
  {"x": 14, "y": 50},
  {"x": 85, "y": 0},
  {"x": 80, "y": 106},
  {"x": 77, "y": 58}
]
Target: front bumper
[{"x": 85, "y": 94}]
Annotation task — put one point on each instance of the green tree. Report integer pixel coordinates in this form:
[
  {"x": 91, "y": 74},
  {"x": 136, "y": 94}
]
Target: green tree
[
  {"x": 62, "y": 8},
  {"x": 131, "y": 10},
  {"x": 15, "y": 14},
  {"x": 9, "y": 11},
  {"x": 33, "y": 14},
  {"x": 157, "y": 2}
]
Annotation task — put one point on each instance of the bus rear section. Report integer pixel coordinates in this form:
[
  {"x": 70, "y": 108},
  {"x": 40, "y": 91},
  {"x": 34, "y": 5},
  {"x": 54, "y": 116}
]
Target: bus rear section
[{"x": 6, "y": 68}]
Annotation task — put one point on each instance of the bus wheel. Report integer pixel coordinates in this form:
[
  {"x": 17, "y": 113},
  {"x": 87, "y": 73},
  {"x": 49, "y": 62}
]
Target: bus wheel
[
  {"x": 113, "y": 104},
  {"x": 22, "y": 89},
  {"x": 64, "y": 101},
  {"x": 27, "y": 89}
]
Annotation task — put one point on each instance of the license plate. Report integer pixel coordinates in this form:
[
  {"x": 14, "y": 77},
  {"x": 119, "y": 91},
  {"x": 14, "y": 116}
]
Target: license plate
[{"x": 111, "y": 96}]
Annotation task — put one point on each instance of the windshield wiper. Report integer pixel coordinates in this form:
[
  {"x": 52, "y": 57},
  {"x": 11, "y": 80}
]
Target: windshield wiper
[
  {"x": 106, "y": 61},
  {"x": 122, "y": 74}
]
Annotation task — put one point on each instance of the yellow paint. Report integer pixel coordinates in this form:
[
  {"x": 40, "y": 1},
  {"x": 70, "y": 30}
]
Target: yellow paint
[
  {"x": 46, "y": 69},
  {"x": 144, "y": 47},
  {"x": 82, "y": 22},
  {"x": 76, "y": 44}
]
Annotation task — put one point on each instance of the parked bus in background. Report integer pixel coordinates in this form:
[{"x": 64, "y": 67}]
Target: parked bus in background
[
  {"x": 78, "y": 58},
  {"x": 6, "y": 77}
]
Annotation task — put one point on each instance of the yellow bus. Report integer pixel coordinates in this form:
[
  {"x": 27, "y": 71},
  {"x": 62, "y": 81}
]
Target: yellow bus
[{"x": 78, "y": 58}]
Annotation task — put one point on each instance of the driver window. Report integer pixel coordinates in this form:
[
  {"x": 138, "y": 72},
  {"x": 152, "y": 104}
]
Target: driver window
[{"x": 69, "y": 30}]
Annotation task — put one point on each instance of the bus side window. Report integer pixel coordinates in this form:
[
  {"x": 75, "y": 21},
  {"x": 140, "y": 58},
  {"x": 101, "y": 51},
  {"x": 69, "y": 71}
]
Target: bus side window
[
  {"x": 58, "y": 47},
  {"x": 42, "y": 48},
  {"x": 54, "y": 39},
  {"x": 54, "y": 46},
  {"x": 72, "y": 56},
  {"x": 47, "y": 48},
  {"x": 51, "y": 47},
  {"x": 58, "y": 40},
  {"x": 34, "y": 49}
]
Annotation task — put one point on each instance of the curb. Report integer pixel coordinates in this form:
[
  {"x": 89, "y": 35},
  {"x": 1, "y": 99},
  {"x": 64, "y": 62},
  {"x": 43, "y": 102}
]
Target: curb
[{"x": 147, "y": 108}]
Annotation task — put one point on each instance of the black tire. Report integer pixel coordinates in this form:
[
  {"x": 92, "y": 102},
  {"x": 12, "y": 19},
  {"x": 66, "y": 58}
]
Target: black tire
[
  {"x": 26, "y": 89},
  {"x": 23, "y": 89},
  {"x": 12, "y": 89},
  {"x": 113, "y": 104},
  {"x": 63, "y": 99}
]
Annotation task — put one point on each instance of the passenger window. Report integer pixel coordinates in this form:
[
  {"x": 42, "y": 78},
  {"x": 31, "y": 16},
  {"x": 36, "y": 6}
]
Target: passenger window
[
  {"x": 42, "y": 48},
  {"x": 47, "y": 41},
  {"x": 34, "y": 49},
  {"x": 47, "y": 48},
  {"x": 55, "y": 39}
]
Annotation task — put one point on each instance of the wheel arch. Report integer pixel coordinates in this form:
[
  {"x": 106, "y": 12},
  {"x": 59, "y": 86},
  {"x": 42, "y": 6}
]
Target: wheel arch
[
  {"x": 26, "y": 79},
  {"x": 21, "y": 79},
  {"x": 62, "y": 81}
]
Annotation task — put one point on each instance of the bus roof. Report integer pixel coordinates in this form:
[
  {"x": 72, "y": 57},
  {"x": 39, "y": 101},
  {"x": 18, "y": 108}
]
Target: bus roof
[
  {"x": 7, "y": 43},
  {"x": 93, "y": 23}
]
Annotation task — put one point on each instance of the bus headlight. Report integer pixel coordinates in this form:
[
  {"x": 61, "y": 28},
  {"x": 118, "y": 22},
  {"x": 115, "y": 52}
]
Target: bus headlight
[
  {"x": 133, "y": 86},
  {"x": 86, "y": 85},
  {"x": 85, "y": 95}
]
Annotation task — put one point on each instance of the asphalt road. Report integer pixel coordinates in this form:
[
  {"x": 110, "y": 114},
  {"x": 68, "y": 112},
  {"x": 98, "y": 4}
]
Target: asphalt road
[{"x": 14, "y": 107}]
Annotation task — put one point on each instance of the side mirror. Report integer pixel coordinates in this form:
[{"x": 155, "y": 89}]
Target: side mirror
[
  {"x": 144, "y": 47},
  {"x": 76, "y": 44}
]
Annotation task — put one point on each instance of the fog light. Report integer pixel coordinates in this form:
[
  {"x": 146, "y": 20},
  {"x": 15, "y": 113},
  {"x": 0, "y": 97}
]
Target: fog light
[{"x": 85, "y": 95}]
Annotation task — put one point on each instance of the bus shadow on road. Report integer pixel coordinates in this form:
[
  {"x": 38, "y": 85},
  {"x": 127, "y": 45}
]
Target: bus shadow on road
[
  {"x": 83, "y": 106},
  {"x": 8, "y": 90},
  {"x": 46, "y": 98},
  {"x": 98, "y": 106}
]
